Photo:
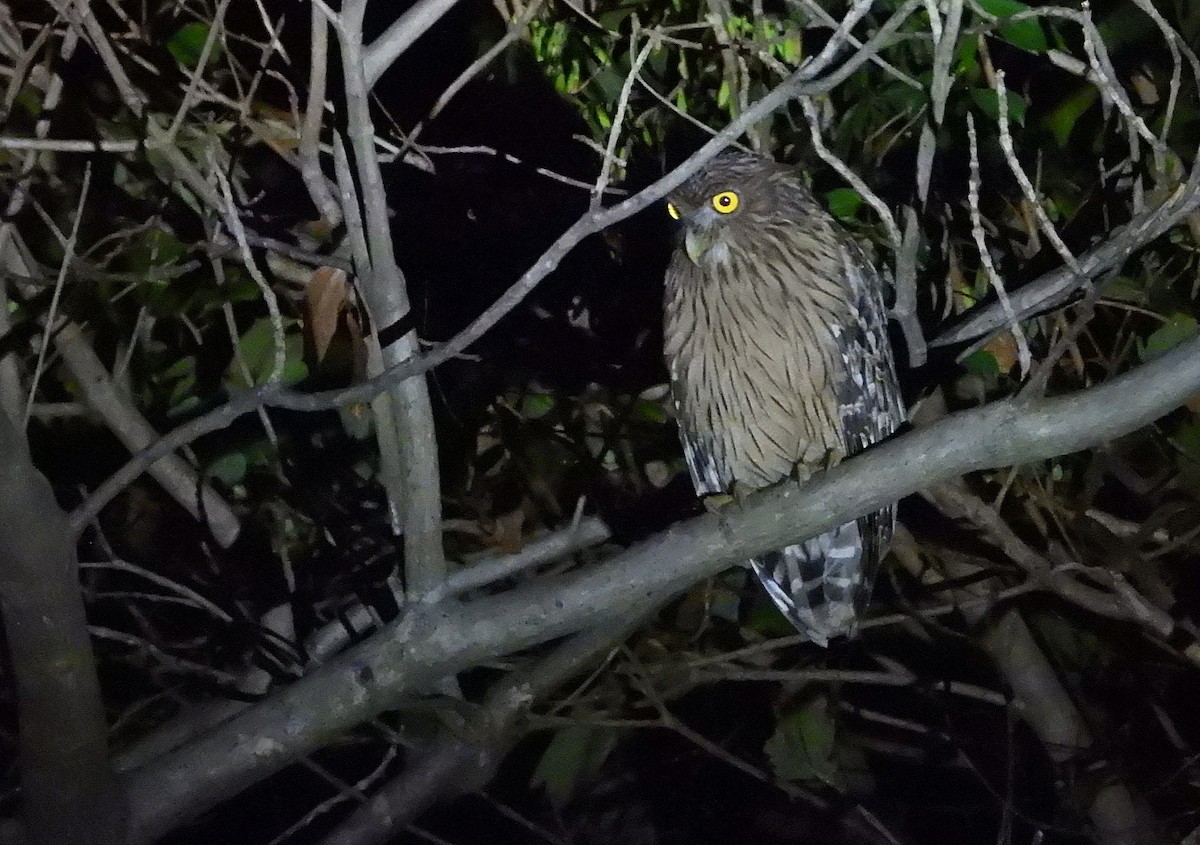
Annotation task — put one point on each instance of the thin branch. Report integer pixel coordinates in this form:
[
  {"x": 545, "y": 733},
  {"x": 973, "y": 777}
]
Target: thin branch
[
  {"x": 856, "y": 181},
  {"x": 215, "y": 28},
  {"x": 69, "y": 245},
  {"x": 1031, "y": 195},
  {"x": 904, "y": 309},
  {"x": 178, "y": 478},
  {"x": 985, "y": 255},
  {"x": 614, "y": 132},
  {"x": 1057, "y": 286},
  {"x": 516, "y": 29},
  {"x": 946, "y": 43},
  {"x": 310, "y": 129}
]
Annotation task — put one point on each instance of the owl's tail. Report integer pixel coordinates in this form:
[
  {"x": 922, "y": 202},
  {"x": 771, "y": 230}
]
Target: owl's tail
[{"x": 822, "y": 583}]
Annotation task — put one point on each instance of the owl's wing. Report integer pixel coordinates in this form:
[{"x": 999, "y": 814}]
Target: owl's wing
[
  {"x": 822, "y": 584},
  {"x": 869, "y": 400},
  {"x": 701, "y": 455}
]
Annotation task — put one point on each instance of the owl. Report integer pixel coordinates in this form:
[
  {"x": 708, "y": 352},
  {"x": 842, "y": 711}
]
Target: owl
[{"x": 775, "y": 337}]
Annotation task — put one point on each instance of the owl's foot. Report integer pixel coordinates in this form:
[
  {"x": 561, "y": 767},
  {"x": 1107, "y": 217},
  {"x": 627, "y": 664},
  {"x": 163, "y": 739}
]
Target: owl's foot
[
  {"x": 828, "y": 459},
  {"x": 833, "y": 457}
]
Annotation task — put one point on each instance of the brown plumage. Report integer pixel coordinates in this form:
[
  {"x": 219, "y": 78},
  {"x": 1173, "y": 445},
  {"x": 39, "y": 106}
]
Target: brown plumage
[{"x": 776, "y": 341}]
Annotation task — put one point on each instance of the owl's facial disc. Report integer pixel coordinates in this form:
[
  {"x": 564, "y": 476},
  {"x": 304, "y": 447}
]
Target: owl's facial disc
[
  {"x": 702, "y": 212},
  {"x": 702, "y": 230}
]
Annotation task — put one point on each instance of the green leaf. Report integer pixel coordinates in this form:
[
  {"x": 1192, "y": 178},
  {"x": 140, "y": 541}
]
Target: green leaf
[
  {"x": 982, "y": 363},
  {"x": 536, "y": 405},
  {"x": 574, "y": 752},
  {"x": 967, "y": 57},
  {"x": 988, "y": 102},
  {"x": 1177, "y": 329},
  {"x": 1026, "y": 34},
  {"x": 790, "y": 48},
  {"x": 182, "y": 397},
  {"x": 257, "y": 350},
  {"x": 1063, "y": 119},
  {"x": 1124, "y": 289},
  {"x": 844, "y": 203},
  {"x": 185, "y": 366},
  {"x": 609, "y": 82},
  {"x": 613, "y": 18},
  {"x": 153, "y": 248},
  {"x": 769, "y": 622},
  {"x": 187, "y": 44},
  {"x": 650, "y": 411},
  {"x": 802, "y": 747},
  {"x": 229, "y": 469},
  {"x": 189, "y": 404},
  {"x": 723, "y": 94}
]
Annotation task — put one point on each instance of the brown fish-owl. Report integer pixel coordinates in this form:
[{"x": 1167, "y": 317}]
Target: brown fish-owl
[{"x": 776, "y": 341}]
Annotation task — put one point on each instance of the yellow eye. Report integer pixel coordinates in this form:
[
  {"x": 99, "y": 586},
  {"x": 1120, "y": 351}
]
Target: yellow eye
[
  {"x": 726, "y": 202},
  {"x": 673, "y": 211}
]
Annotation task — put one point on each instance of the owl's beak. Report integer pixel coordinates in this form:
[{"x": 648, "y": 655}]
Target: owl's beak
[{"x": 696, "y": 242}]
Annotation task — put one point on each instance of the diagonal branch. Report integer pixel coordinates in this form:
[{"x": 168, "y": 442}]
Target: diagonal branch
[{"x": 435, "y": 640}]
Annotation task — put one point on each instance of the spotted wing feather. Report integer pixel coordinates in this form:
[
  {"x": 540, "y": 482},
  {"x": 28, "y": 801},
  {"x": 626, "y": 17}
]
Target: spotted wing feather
[{"x": 823, "y": 583}]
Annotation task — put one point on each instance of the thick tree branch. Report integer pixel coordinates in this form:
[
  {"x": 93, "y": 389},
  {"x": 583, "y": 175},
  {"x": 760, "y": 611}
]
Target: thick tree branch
[
  {"x": 406, "y": 416},
  {"x": 68, "y": 793},
  {"x": 398, "y": 37},
  {"x": 432, "y": 641}
]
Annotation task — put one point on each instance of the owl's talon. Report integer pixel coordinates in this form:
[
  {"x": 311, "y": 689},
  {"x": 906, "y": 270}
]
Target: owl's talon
[
  {"x": 740, "y": 492},
  {"x": 833, "y": 457}
]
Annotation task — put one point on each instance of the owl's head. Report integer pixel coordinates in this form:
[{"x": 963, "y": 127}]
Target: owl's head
[{"x": 732, "y": 199}]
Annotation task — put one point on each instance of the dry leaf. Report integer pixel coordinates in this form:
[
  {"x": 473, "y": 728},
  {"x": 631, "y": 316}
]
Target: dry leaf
[
  {"x": 324, "y": 301},
  {"x": 1003, "y": 348}
]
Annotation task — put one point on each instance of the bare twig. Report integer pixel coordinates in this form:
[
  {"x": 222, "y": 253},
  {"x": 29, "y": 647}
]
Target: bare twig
[
  {"x": 856, "y": 181},
  {"x": 215, "y": 29},
  {"x": 180, "y": 481},
  {"x": 945, "y": 43},
  {"x": 69, "y": 244},
  {"x": 904, "y": 310},
  {"x": 985, "y": 255},
  {"x": 614, "y": 132},
  {"x": 310, "y": 129},
  {"x": 516, "y": 29},
  {"x": 1031, "y": 194},
  {"x": 957, "y": 501}
]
